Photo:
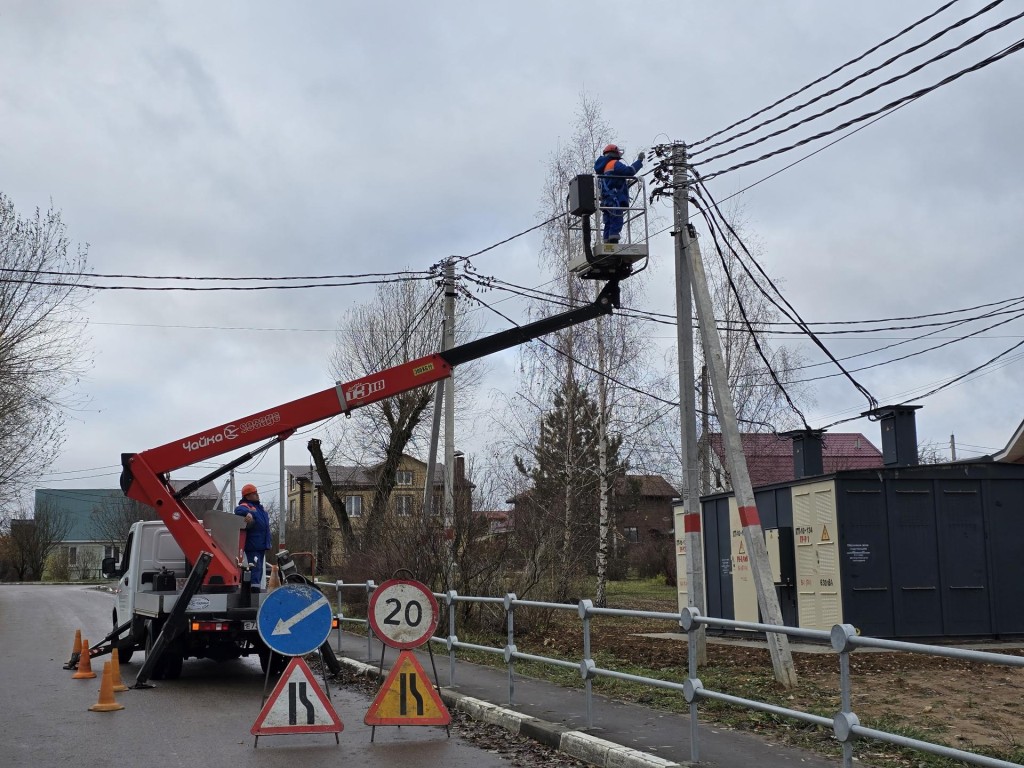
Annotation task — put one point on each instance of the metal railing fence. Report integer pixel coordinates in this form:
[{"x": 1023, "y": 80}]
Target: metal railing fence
[{"x": 842, "y": 639}]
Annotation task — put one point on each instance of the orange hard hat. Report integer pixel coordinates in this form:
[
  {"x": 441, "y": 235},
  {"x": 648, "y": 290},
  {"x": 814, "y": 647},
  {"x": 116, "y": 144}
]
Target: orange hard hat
[
  {"x": 612, "y": 149},
  {"x": 248, "y": 488}
]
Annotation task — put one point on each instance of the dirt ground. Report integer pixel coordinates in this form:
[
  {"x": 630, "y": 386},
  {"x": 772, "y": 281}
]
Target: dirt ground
[{"x": 964, "y": 704}]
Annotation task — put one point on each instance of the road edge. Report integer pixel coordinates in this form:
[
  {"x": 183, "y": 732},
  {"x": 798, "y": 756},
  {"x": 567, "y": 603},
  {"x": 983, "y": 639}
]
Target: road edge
[{"x": 578, "y": 744}]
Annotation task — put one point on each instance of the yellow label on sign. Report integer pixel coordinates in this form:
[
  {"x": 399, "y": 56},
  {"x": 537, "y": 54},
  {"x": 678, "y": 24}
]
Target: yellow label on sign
[
  {"x": 408, "y": 697},
  {"x": 419, "y": 370},
  {"x": 824, "y": 534}
]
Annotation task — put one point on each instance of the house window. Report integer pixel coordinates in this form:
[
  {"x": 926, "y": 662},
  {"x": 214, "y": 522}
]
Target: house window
[
  {"x": 631, "y": 534},
  {"x": 114, "y": 552},
  {"x": 403, "y": 505},
  {"x": 72, "y": 555},
  {"x": 403, "y": 477},
  {"x": 293, "y": 509},
  {"x": 354, "y": 506}
]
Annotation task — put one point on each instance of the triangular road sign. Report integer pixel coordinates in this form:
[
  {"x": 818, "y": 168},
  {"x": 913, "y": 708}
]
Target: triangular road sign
[
  {"x": 297, "y": 705},
  {"x": 408, "y": 697}
]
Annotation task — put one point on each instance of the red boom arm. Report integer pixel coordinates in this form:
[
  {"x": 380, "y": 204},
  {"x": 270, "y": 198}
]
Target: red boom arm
[{"x": 143, "y": 478}]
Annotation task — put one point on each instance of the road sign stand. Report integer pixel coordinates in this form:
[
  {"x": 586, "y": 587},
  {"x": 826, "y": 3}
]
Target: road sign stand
[
  {"x": 323, "y": 671},
  {"x": 403, "y": 614},
  {"x": 304, "y": 698}
]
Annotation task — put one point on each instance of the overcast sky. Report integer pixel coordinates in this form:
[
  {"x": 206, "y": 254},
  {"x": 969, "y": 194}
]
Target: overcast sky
[{"x": 257, "y": 138}]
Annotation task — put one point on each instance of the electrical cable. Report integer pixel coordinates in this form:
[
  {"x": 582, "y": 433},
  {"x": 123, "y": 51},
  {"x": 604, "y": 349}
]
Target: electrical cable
[
  {"x": 996, "y": 57},
  {"x": 861, "y": 76},
  {"x": 791, "y": 313},
  {"x": 835, "y": 71},
  {"x": 749, "y": 327},
  {"x": 250, "y": 278},
  {"x": 94, "y": 287},
  {"x": 606, "y": 376}
]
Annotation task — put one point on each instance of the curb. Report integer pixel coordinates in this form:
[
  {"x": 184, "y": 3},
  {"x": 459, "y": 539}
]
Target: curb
[{"x": 582, "y": 746}]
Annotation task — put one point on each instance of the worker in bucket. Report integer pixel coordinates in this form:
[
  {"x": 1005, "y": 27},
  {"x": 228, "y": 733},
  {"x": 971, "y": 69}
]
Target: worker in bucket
[
  {"x": 614, "y": 182},
  {"x": 257, "y": 529}
]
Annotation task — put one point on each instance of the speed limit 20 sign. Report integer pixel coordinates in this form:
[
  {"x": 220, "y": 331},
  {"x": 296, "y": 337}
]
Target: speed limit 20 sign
[{"x": 403, "y": 613}]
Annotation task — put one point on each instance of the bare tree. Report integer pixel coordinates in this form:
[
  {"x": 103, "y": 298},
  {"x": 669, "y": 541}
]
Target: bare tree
[
  {"x": 403, "y": 322},
  {"x": 41, "y": 342},
  {"x": 595, "y": 356},
  {"x": 32, "y": 539}
]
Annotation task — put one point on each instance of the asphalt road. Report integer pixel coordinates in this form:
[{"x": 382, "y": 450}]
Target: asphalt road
[{"x": 202, "y": 719}]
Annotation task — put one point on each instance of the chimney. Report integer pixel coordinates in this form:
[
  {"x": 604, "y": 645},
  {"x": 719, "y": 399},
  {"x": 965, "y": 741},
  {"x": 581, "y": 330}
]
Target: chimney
[
  {"x": 460, "y": 467},
  {"x": 899, "y": 434},
  {"x": 807, "y": 460}
]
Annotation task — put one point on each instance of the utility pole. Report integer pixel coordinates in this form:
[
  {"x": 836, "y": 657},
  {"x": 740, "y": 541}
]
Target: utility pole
[
  {"x": 705, "y": 435},
  {"x": 449, "y": 420},
  {"x": 688, "y": 528},
  {"x": 282, "y": 511},
  {"x": 753, "y": 535},
  {"x": 952, "y": 447}
]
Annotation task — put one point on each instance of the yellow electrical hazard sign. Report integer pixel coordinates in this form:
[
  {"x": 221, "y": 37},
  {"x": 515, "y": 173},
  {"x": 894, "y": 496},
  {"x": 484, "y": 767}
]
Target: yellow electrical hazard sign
[
  {"x": 743, "y": 549},
  {"x": 824, "y": 534},
  {"x": 408, "y": 697}
]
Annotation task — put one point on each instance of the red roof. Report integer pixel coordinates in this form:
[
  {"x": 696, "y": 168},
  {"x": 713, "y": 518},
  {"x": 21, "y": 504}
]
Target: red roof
[{"x": 770, "y": 457}]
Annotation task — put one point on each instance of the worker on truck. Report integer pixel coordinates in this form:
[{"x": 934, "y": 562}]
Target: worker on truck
[
  {"x": 257, "y": 529},
  {"x": 614, "y": 175}
]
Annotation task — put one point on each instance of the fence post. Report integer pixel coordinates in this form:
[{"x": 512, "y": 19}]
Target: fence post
[
  {"x": 689, "y": 620},
  {"x": 341, "y": 610},
  {"x": 587, "y": 664},
  {"x": 449, "y": 600},
  {"x": 845, "y": 719},
  {"x": 510, "y": 646},
  {"x": 370, "y": 586}
]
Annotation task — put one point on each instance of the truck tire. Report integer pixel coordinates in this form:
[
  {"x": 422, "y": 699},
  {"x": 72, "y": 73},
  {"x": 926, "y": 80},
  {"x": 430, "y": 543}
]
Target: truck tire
[
  {"x": 126, "y": 645},
  {"x": 152, "y": 632},
  {"x": 173, "y": 659},
  {"x": 275, "y": 661}
]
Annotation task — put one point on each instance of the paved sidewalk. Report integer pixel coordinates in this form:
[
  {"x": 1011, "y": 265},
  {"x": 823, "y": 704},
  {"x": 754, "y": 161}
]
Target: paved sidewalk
[{"x": 624, "y": 735}]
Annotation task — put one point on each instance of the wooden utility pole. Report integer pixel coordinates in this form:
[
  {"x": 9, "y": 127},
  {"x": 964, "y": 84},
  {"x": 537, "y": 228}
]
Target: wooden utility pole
[
  {"x": 753, "y": 535},
  {"x": 687, "y": 529}
]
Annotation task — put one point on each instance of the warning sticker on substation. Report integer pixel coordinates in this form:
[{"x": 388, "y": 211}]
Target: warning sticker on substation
[
  {"x": 297, "y": 705},
  {"x": 408, "y": 697}
]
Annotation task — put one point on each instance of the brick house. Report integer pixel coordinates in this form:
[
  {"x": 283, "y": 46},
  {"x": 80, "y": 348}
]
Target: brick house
[
  {"x": 770, "y": 457},
  {"x": 311, "y": 521},
  {"x": 642, "y": 508}
]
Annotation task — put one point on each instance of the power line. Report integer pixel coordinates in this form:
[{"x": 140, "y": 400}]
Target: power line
[
  {"x": 861, "y": 76},
  {"x": 1009, "y": 50},
  {"x": 835, "y": 71},
  {"x": 247, "y": 278},
  {"x": 94, "y": 287}
]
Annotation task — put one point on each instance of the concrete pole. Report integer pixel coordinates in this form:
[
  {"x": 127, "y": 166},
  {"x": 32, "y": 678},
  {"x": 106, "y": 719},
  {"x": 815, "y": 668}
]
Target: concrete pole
[
  {"x": 449, "y": 420},
  {"x": 688, "y": 524},
  {"x": 282, "y": 514},
  {"x": 753, "y": 536},
  {"x": 435, "y": 435}
]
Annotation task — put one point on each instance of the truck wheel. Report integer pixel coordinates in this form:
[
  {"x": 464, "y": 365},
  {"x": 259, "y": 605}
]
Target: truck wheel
[
  {"x": 275, "y": 661},
  {"x": 152, "y": 632},
  {"x": 173, "y": 659},
  {"x": 125, "y": 646}
]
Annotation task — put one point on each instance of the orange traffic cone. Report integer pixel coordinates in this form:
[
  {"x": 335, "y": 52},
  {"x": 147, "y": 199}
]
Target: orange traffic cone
[
  {"x": 115, "y": 671},
  {"x": 273, "y": 581},
  {"x": 76, "y": 651},
  {"x": 84, "y": 664},
  {"x": 106, "y": 702}
]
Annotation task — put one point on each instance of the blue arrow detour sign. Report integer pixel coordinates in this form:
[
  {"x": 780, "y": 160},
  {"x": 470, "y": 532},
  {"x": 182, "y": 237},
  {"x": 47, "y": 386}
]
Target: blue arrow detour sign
[{"x": 294, "y": 619}]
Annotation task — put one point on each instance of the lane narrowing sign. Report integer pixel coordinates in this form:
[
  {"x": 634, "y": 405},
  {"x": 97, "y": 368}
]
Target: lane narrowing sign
[
  {"x": 297, "y": 705},
  {"x": 407, "y": 697}
]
